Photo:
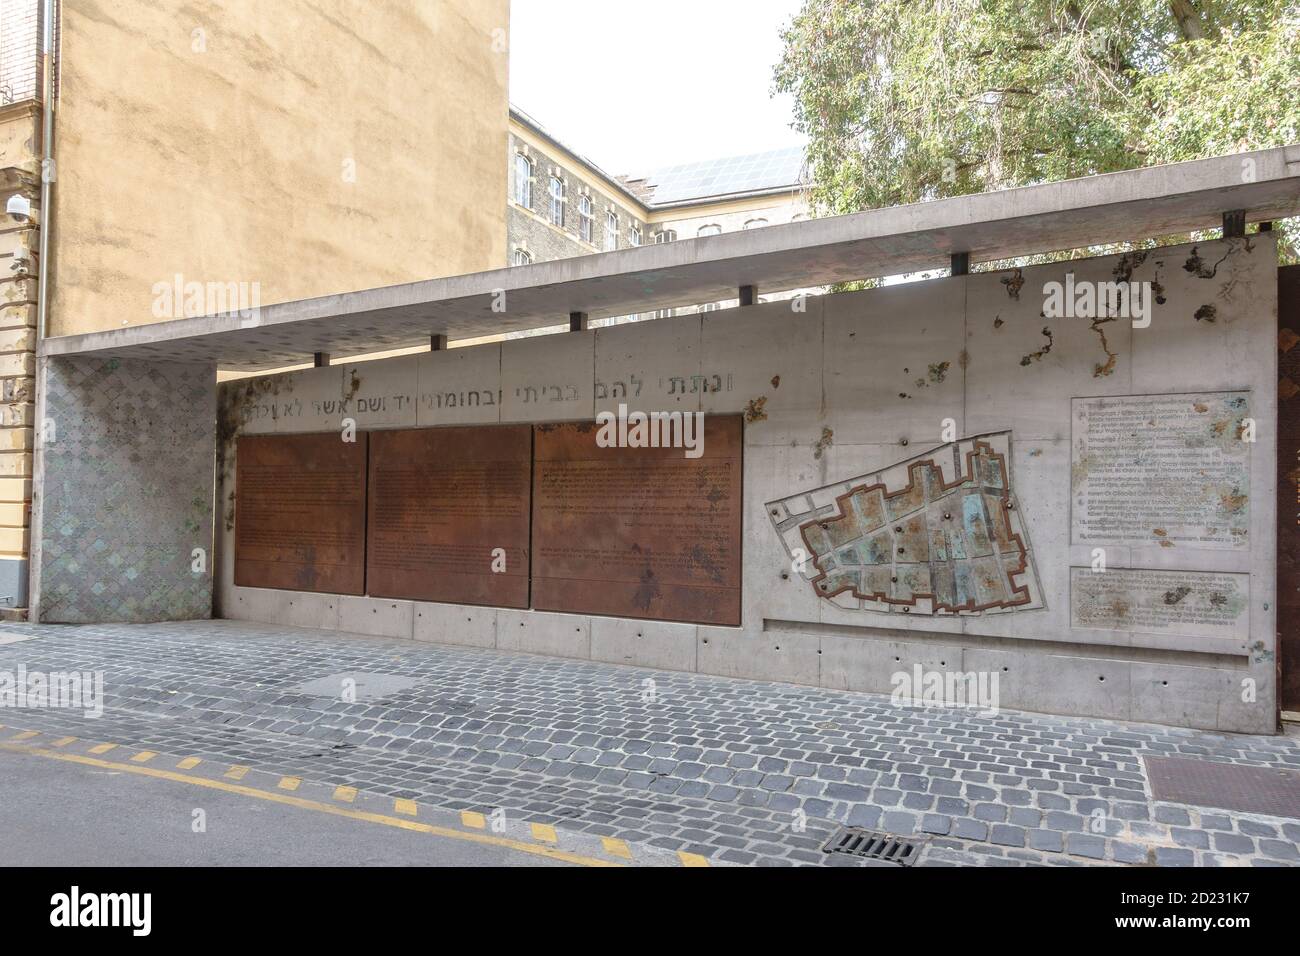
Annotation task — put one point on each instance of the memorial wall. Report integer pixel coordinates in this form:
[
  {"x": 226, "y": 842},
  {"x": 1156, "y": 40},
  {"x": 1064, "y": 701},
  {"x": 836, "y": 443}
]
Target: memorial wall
[{"x": 981, "y": 473}]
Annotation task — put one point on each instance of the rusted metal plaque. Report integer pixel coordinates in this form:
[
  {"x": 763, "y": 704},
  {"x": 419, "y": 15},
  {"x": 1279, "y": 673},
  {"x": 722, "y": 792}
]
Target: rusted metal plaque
[
  {"x": 300, "y": 513},
  {"x": 449, "y": 514},
  {"x": 1288, "y": 485},
  {"x": 638, "y": 532}
]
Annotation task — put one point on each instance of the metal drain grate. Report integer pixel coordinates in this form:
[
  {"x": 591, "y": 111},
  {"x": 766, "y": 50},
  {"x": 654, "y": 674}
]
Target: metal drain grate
[{"x": 870, "y": 845}]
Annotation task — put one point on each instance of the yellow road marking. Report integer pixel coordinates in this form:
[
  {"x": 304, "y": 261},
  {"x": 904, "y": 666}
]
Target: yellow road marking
[
  {"x": 616, "y": 847},
  {"x": 544, "y": 832},
  {"x": 26, "y": 735},
  {"x": 63, "y": 741},
  {"x": 346, "y": 794},
  {"x": 471, "y": 819},
  {"x": 236, "y": 772},
  {"x": 144, "y": 756},
  {"x": 289, "y": 783},
  {"x": 692, "y": 859},
  {"x": 305, "y": 804},
  {"x": 406, "y": 807},
  {"x": 102, "y": 748},
  {"x": 189, "y": 763}
]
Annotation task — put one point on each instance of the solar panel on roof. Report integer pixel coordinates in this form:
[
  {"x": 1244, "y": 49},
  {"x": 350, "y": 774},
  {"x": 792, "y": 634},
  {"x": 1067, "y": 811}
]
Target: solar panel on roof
[{"x": 732, "y": 174}]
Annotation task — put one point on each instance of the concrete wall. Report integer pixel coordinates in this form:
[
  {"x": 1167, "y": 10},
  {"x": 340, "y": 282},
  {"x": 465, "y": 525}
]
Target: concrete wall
[
  {"x": 124, "y": 477},
  {"x": 312, "y": 147},
  {"x": 846, "y": 388}
]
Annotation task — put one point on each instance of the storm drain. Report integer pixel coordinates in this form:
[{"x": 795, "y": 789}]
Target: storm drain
[{"x": 869, "y": 845}]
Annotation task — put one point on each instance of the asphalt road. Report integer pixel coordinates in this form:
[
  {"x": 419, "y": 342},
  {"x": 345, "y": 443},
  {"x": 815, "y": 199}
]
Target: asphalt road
[{"x": 54, "y": 813}]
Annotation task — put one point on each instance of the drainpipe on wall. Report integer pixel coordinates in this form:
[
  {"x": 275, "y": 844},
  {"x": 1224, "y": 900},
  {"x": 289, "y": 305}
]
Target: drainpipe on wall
[{"x": 47, "y": 163}]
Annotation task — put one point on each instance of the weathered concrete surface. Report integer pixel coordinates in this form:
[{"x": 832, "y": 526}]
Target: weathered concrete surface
[
  {"x": 123, "y": 511},
  {"x": 844, "y": 388},
  {"x": 1157, "y": 201}
]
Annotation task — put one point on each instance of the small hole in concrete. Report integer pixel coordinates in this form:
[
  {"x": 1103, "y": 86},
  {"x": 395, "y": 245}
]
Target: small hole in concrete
[
  {"x": 1164, "y": 683},
  {"x": 778, "y": 647},
  {"x": 1102, "y": 678}
]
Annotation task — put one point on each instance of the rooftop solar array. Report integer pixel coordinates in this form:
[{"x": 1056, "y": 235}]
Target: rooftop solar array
[{"x": 724, "y": 177}]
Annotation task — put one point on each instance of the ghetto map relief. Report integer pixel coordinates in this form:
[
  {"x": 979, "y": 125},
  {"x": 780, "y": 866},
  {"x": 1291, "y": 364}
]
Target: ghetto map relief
[{"x": 938, "y": 534}]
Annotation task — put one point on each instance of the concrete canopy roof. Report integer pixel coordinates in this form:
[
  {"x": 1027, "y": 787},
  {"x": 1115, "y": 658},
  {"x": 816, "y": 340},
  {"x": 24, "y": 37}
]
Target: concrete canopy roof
[{"x": 1116, "y": 207}]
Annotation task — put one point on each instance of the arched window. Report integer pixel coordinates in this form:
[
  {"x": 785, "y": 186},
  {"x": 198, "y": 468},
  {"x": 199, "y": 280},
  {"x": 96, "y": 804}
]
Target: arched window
[
  {"x": 755, "y": 223},
  {"x": 522, "y": 257},
  {"x": 712, "y": 229},
  {"x": 611, "y": 231},
  {"x": 665, "y": 235},
  {"x": 634, "y": 235},
  {"x": 523, "y": 180}
]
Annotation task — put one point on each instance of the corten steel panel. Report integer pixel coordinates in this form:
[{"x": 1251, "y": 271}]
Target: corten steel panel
[
  {"x": 300, "y": 513},
  {"x": 442, "y": 500},
  {"x": 1288, "y": 485},
  {"x": 638, "y": 532}
]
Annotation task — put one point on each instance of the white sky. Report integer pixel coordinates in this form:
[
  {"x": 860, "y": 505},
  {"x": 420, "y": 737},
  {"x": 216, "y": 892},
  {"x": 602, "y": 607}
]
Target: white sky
[{"x": 639, "y": 85}]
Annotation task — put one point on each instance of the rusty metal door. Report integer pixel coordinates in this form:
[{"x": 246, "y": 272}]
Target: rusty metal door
[{"x": 1288, "y": 486}]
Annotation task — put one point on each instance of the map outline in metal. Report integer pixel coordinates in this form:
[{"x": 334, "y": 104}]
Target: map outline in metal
[{"x": 796, "y": 516}]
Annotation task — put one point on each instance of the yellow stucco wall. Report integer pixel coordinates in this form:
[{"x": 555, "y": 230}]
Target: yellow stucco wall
[{"x": 212, "y": 139}]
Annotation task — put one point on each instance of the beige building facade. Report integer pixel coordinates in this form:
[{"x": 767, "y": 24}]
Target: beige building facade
[
  {"x": 563, "y": 204},
  {"x": 232, "y": 154}
]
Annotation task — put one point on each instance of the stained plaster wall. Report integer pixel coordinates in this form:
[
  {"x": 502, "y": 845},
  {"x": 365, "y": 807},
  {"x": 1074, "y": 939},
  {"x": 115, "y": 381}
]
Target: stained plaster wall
[{"x": 831, "y": 393}]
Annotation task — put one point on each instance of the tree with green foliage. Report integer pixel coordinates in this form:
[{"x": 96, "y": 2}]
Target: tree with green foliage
[{"x": 907, "y": 100}]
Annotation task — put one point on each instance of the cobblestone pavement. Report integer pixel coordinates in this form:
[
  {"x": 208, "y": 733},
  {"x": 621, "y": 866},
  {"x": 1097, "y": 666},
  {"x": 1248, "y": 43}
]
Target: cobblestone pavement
[{"x": 739, "y": 771}]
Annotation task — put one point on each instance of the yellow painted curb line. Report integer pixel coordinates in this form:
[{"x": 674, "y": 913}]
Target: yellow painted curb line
[
  {"x": 616, "y": 847},
  {"x": 406, "y": 807},
  {"x": 301, "y": 802},
  {"x": 471, "y": 819},
  {"x": 544, "y": 832}
]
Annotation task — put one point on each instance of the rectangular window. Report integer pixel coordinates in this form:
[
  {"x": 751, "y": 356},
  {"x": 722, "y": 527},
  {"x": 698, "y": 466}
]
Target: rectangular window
[
  {"x": 523, "y": 180},
  {"x": 586, "y": 223},
  {"x": 557, "y": 201}
]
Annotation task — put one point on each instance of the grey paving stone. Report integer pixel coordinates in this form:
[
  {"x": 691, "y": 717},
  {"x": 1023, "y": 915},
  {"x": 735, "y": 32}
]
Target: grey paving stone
[{"x": 573, "y": 743}]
